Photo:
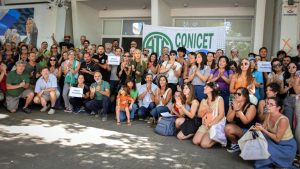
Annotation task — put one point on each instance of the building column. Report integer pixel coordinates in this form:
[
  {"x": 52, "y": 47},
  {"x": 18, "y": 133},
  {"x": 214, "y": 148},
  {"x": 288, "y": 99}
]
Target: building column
[
  {"x": 76, "y": 36},
  {"x": 259, "y": 24},
  {"x": 290, "y": 27}
]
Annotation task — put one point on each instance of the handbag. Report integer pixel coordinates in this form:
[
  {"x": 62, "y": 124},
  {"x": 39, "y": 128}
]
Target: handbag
[
  {"x": 166, "y": 126},
  {"x": 216, "y": 131},
  {"x": 254, "y": 146}
]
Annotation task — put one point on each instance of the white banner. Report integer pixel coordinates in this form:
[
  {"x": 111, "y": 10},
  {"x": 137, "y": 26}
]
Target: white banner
[
  {"x": 76, "y": 92},
  {"x": 193, "y": 39}
]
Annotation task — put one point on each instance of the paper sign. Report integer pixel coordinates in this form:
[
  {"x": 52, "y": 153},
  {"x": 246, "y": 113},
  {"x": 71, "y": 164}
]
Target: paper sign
[
  {"x": 263, "y": 66},
  {"x": 76, "y": 92},
  {"x": 166, "y": 114},
  {"x": 113, "y": 60}
]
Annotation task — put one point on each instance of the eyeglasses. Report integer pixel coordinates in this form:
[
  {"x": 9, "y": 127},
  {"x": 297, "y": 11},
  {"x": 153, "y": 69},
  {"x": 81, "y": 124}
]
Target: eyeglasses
[
  {"x": 146, "y": 50},
  {"x": 244, "y": 64},
  {"x": 239, "y": 94},
  {"x": 270, "y": 105},
  {"x": 276, "y": 65},
  {"x": 52, "y": 59},
  {"x": 291, "y": 67}
]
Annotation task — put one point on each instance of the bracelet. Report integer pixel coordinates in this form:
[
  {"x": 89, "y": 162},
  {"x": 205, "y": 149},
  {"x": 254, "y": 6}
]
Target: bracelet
[{"x": 237, "y": 110}]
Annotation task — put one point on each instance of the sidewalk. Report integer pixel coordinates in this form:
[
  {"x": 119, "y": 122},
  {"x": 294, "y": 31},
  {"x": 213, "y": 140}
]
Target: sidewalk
[{"x": 63, "y": 140}]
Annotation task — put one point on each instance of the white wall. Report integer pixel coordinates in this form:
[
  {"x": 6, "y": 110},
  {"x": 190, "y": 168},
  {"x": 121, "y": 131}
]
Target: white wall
[
  {"x": 290, "y": 32},
  {"x": 164, "y": 13},
  {"x": 47, "y": 21},
  {"x": 85, "y": 22}
]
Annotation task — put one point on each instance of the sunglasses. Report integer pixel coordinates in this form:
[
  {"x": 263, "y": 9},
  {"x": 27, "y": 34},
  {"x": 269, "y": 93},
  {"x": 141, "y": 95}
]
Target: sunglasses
[
  {"x": 239, "y": 94},
  {"x": 54, "y": 48},
  {"x": 244, "y": 64},
  {"x": 276, "y": 65},
  {"x": 52, "y": 59},
  {"x": 291, "y": 67}
]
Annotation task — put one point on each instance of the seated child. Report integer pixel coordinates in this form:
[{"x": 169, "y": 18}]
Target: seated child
[{"x": 123, "y": 101}]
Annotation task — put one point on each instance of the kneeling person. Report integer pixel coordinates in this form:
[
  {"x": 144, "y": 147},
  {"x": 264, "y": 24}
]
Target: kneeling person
[{"x": 46, "y": 89}]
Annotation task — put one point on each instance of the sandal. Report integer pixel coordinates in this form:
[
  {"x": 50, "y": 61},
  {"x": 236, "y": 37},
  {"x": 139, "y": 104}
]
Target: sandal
[
  {"x": 118, "y": 124},
  {"x": 129, "y": 123}
]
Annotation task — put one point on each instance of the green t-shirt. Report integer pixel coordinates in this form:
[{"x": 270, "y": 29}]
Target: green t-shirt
[
  {"x": 134, "y": 93},
  {"x": 141, "y": 67},
  {"x": 103, "y": 86},
  {"x": 14, "y": 79}
]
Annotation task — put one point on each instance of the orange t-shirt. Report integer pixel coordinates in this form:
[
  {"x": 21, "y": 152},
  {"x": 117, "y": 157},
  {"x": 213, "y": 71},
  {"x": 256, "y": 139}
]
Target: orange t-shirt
[
  {"x": 241, "y": 81},
  {"x": 124, "y": 101}
]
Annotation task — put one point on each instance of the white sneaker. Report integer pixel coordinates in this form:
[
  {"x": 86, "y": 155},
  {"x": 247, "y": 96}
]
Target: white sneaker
[
  {"x": 45, "y": 108},
  {"x": 51, "y": 111}
]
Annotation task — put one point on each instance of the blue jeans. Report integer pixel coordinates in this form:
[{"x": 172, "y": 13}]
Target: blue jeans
[
  {"x": 199, "y": 92},
  {"x": 132, "y": 112},
  {"x": 96, "y": 105},
  {"x": 225, "y": 95},
  {"x": 157, "y": 110},
  {"x": 144, "y": 112}
]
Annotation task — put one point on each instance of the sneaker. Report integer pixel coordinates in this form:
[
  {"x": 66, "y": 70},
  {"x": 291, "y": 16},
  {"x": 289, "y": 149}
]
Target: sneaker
[
  {"x": 76, "y": 111},
  {"x": 68, "y": 111},
  {"x": 147, "y": 119},
  {"x": 26, "y": 110},
  {"x": 51, "y": 111},
  {"x": 141, "y": 119},
  {"x": 45, "y": 108},
  {"x": 151, "y": 120},
  {"x": 92, "y": 113},
  {"x": 233, "y": 148}
]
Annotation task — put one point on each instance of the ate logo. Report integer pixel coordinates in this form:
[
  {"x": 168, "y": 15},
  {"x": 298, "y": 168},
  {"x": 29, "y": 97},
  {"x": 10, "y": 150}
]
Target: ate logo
[{"x": 155, "y": 41}]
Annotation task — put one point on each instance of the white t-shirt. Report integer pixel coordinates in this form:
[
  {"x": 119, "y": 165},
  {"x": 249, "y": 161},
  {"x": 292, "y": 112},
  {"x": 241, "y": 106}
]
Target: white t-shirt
[{"x": 172, "y": 78}]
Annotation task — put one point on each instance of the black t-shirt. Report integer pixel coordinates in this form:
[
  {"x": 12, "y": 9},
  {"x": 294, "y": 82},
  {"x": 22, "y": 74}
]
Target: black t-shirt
[
  {"x": 296, "y": 60},
  {"x": 92, "y": 66},
  {"x": 103, "y": 60}
]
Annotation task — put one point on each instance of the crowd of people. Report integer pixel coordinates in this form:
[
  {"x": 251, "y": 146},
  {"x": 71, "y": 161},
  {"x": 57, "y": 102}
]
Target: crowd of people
[{"x": 200, "y": 89}]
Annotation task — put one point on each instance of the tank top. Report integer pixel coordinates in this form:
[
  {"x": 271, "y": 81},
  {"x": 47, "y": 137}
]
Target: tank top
[
  {"x": 238, "y": 121},
  {"x": 241, "y": 82},
  {"x": 165, "y": 96},
  {"x": 288, "y": 132}
]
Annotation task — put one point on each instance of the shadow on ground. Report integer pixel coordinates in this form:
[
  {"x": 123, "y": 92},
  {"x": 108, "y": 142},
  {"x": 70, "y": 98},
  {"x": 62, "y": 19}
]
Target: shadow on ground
[{"x": 79, "y": 141}]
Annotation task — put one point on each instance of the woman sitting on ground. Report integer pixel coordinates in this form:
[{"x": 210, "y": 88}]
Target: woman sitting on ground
[
  {"x": 272, "y": 90},
  {"x": 212, "y": 112},
  {"x": 240, "y": 118},
  {"x": 281, "y": 143},
  {"x": 163, "y": 99},
  {"x": 78, "y": 102},
  {"x": 188, "y": 123}
]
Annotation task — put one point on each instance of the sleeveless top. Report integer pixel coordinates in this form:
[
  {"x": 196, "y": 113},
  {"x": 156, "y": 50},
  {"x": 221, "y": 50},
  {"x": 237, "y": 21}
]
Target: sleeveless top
[
  {"x": 240, "y": 82},
  {"x": 165, "y": 96},
  {"x": 209, "y": 117},
  {"x": 288, "y": 132},
  {"x": 238, "y": 121}
]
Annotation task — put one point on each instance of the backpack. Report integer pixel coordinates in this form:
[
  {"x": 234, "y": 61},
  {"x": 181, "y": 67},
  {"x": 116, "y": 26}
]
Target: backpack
[{"x": 166, "y": 126}]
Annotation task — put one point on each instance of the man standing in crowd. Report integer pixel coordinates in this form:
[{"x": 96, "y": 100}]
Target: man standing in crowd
[
  {"x": 32, "y": 69},
  {"x": 88, "y": 69},
  {"x": 101, "y": 60},
  {"x": 18, "y": 87},
  {"x": 108, "y": 49},
  {"x": 100, "y": 92},
  {"x": 82, "y": 39},
  {"x": 147, "y": 96},
  {"x": 115, "y": 44},
  {"x": 181, "y": 51},
  {"x": 165, "y": 51},
  {"x": 46, "y": 90},
  {"x": 235, "y": 55},
  {"x": 86, "y": 44},
  {"x": 263, "y": 52},
  {"x": 219, "y": 53},
  {"x": 145, "y": 55}
]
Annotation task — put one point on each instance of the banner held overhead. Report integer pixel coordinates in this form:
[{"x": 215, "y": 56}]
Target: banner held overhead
[{"x": 193, "y": 39}]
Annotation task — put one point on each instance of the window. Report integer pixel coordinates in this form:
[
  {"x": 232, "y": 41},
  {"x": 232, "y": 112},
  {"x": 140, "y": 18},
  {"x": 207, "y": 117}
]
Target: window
[
  {"x": 238, "y": 31},
  {"x": 124, "y": 29}
]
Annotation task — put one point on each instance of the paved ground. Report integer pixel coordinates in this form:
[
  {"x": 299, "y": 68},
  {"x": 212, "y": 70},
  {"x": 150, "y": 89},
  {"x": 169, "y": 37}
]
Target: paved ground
[{"x": 62, "y": 141}]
